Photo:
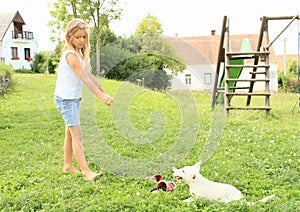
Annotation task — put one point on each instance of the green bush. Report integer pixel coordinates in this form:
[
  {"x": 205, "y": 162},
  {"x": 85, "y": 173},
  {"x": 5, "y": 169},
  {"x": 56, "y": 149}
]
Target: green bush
[
  {"x": 40, "y": 61},
  {"x": 145, "y": 67},
  {"x": 5, "y": 70},
  {"x": 5, "y": 75},
  {"x": 292, "y": 85},
  {"x": 154, "y": 80},
  {"x": 24, "y": 71},
  {"x": 39, "y": 64},
  {"x": 52, "y": 65},
  {"x": 287, "y": 83},
  {"x": 292, "y": 68},
  {"x": 282, "y": 80}
]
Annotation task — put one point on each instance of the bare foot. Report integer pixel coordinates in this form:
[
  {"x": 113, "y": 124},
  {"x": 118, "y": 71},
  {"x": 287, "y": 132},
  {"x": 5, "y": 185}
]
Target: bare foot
[
  {"x": 70, "y": 170},
  {"x": 90, "y": 175}
]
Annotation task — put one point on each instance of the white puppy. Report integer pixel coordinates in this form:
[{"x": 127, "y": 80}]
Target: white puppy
[{"x": 204, "y": 188}]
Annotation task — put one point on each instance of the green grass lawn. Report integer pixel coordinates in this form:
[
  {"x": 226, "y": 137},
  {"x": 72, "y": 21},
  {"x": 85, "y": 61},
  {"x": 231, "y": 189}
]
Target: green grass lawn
[{"x": 145, "y": 132}]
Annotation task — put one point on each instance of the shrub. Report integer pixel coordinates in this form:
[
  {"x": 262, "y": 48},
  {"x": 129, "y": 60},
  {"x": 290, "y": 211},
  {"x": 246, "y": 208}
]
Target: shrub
[
  {"x": 292, "y": 68},
  {"x": 5, "y": 70},
  {"x": 154, "y": 80},
  {"x": 52, "y": 65},
  {"x": 24, "y": 71},
  {"x": 292, "y": 85},
  {"x": 282, "y": 80},
  {"x": 5, "y": 74},
  {"x": 287, "y": 83},
  {"x": 39, "y": 64},
  {"x": 146, "y": 68}
]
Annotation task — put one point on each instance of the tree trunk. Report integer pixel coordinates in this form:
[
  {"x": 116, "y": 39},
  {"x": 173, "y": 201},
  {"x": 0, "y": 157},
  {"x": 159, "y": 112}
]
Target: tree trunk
[{"x": 98, "y": 71}]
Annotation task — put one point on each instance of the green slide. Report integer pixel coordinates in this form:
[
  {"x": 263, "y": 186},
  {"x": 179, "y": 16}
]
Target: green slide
[{"x": 233, "y": 72}]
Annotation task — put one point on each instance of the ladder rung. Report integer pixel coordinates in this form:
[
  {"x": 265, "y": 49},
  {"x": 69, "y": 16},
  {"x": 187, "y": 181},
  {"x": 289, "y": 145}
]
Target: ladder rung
[
  {"x": 245, "y": 57},
  {"x": 247, "y": 80},
  {"x": 257, "y": 72},
  {"x": 247, "y": 53},
  {"x": 239, "y": 88},
  {"x": 248, "y": 94},
  {"x": 247, "y": 108},
  {"x": 248, "y": 66},
  {"x": 222, "y": 89}
]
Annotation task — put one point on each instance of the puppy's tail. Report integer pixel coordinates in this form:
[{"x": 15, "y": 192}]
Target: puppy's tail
[{"x": 265, "y": 199}]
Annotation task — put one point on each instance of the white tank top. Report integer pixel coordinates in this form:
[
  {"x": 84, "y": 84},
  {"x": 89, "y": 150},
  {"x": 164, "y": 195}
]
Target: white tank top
[{"x": 68, "y": 83}]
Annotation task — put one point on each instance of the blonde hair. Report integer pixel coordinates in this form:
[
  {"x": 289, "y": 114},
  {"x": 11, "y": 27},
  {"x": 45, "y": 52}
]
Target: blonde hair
[{"x": 72, "y": 27}]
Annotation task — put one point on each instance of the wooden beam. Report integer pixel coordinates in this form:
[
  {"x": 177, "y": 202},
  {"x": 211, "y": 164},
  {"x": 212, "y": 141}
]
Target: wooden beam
[
  {"x": 293, "y": 18},
  {"x": 282, "y": 17},
  {"x": 220, "y": 59}
]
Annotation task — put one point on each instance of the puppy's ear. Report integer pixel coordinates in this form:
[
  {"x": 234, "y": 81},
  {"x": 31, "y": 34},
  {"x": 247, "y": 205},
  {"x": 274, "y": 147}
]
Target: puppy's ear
[{"x": 197, "y": 165}]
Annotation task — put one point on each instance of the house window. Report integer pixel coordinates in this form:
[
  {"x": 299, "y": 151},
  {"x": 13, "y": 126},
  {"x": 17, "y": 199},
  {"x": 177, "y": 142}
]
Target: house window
[
  {"x": 207, "y": 78},
  {"x": 188, "y": 79},
  {"x": 27, "y": 54},
  {"x": 14, "y": 53}
]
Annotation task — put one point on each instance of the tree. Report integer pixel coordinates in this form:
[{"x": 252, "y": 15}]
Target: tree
[
  {"x": 152, "y": 74},
  {"x": 100, "y": 13},
  {"x": 111, "y": 56},
  {"x": 61, "y": 13},
  {"x": 152, "y": 55},
  {"x": 97, "y": 12},
  {"x": 149, "y": 25},
  {"x": 106, "y": 37},
  {"x": 149, "y": 41}
]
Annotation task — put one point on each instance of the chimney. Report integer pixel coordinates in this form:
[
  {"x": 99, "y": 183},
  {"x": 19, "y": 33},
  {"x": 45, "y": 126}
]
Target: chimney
[{"x": 213, "y": 32}]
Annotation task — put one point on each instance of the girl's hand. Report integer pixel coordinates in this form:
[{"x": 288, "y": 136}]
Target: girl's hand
[{"x": 106, "y": 99}]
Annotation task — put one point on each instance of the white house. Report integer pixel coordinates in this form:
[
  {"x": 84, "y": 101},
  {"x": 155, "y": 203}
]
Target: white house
[{"x": 17, "y": 43}]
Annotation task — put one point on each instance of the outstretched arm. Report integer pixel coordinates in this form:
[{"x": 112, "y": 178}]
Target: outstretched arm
[
  {"x": 88, "y": 79},
  {"x": 95, "y": 81}
]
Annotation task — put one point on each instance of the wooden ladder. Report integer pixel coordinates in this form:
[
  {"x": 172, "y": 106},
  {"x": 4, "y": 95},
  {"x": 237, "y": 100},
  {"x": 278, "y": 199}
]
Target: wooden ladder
[
  {"x": 261, "y": 69},
  {"x": 261, "y": 62},
  {"x": 224, "y": 56}
]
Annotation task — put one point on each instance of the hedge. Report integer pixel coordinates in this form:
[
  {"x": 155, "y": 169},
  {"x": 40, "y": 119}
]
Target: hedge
[{"x": 5, "y": 74}]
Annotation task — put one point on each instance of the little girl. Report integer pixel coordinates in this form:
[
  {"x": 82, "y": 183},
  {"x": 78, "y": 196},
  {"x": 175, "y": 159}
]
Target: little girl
[{"x": 74, "y": 69}]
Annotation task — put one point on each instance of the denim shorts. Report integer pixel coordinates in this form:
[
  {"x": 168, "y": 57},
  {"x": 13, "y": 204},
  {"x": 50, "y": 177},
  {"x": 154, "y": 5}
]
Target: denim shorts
[{"x": 69, "y": 110}]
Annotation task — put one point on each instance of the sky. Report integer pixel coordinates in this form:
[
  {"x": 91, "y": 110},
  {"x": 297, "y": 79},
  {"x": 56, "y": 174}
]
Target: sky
[{"x": 187, "y": 18}]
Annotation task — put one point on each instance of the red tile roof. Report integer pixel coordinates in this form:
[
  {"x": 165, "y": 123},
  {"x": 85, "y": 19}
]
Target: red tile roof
[{"x": 204, "y": 49}]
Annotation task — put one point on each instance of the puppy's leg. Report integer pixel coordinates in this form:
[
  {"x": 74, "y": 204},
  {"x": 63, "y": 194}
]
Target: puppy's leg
[
  {"x": 191, "y": 198},
  {"x": 188, "y": 200}
]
